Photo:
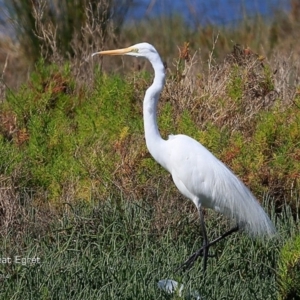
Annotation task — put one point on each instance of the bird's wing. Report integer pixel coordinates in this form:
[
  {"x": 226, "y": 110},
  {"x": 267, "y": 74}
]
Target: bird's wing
[{"x": 202, "y": 177}]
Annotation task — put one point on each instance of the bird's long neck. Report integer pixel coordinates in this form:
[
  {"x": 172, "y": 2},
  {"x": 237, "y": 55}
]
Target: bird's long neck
[{"x": 152, "y": 135}]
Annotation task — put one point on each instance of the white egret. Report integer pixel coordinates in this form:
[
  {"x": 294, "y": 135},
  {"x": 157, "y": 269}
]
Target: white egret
[{"x": 196, "y": 172}]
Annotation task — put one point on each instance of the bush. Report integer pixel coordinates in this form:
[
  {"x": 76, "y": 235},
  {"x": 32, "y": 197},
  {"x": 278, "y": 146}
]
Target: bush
[
  {"x": 65, "y": 29},
  {"x": 69, "y": 140},
  {"x": 289, "y": 270}
]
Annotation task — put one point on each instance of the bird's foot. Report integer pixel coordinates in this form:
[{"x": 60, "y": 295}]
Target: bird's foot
[
  {"x": 191, "y": 260},
  {"x": 204, "y": 251}
]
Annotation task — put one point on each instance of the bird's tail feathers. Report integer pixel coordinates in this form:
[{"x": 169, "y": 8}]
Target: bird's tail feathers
[{"x": 243, "y": 207}]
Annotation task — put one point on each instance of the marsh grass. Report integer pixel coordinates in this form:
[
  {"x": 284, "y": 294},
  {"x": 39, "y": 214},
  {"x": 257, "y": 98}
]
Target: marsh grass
[{"x": 109, "y": 250}]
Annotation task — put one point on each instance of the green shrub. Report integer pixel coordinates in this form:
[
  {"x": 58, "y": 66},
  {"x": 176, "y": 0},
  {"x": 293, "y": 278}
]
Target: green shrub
[
  {"x": 67, "y": 138},
  {"x": 289, "y": 270}
]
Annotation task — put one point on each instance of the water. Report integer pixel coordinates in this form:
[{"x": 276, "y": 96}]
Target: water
[
  {"x": 6, "y": 27},
  {"x": 195, "y": 12},
  {"x": 220, "y": 12}
]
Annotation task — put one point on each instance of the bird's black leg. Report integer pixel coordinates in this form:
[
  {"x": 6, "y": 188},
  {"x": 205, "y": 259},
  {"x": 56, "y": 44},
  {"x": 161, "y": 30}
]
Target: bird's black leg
[
  {"x": 201, "y": 252},
  {"x": 205, "y": 239}
]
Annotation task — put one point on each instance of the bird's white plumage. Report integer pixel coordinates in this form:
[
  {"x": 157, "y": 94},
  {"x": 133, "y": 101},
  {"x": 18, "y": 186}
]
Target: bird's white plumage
[
  {"x": 196, "y": 172},
  {"x": 204, "y": 179}
]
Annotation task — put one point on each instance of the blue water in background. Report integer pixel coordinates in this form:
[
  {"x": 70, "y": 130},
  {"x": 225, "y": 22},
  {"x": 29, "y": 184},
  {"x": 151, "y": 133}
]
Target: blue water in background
[
  {"x": 219, "y": 12},
  {"x": 194, "y": 12}
]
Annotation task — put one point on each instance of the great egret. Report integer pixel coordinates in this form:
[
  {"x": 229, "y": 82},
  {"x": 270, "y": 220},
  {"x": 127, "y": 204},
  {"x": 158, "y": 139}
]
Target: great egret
[{"x": 196, "y": 172}]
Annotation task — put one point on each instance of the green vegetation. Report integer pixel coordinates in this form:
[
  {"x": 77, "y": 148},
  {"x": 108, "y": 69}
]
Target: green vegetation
[
  {"x": 289, "y": 270},
  {"x": 81, "y": 154},
  {"x": 113, "y": 249},
  {"x": 60, "y": 136}
]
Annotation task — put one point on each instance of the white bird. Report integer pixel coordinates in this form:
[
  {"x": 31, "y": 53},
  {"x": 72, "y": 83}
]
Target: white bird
[{"x": 196, "y": 172}]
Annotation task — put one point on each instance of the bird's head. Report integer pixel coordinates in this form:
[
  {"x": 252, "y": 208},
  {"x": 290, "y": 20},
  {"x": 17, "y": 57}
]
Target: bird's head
[{"x": 139, "y": 50}]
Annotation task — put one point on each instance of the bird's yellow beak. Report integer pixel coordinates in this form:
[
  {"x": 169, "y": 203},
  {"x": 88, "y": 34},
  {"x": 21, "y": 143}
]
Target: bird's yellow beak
[{"x": 116, "y": 52}]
